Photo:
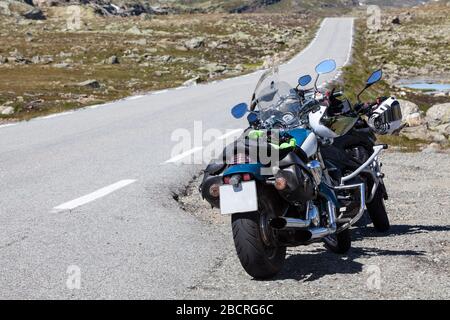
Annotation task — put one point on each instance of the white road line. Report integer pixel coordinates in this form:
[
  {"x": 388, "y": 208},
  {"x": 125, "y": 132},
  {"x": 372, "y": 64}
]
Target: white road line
[
  {"x": 93, "y": 196},
  {"x": 57, "y": 115},
  {"x": 231, "y": 133},
  {"x": 160, "y": 92},
  {"x": 350, "y": 49},
  {"x": 183, "y": 155},
  {"x": 135, "y": 97},
  {"x": 8, "y": 125},
  {"x": 196, "y": 149}
]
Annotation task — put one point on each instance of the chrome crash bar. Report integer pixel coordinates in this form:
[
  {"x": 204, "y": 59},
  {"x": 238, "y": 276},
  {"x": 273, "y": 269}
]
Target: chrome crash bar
[
  {"x": 362, "y": 192},
  {"x": 376, "y": 151}
]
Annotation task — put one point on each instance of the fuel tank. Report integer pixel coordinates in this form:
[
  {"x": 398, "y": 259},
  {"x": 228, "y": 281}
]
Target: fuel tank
[{"x": 306, "y": 140}]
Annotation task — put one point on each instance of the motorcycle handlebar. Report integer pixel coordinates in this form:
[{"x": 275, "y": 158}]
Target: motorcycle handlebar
[{"x": 338, "y": 94}]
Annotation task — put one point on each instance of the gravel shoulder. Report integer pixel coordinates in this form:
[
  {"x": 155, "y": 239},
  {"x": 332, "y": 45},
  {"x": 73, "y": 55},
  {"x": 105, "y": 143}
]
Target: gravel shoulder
[{"x": 410, "y": 262}]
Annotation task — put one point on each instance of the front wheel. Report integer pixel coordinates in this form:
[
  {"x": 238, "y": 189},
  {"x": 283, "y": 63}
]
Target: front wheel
[
  {"x": 339, "y": 243},
  {"x": 377, "y": 212},
  {"x": 259, "y": 259}
]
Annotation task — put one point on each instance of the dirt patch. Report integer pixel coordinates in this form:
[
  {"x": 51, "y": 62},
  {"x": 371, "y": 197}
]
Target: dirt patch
[{"x": 190, "y": 200}]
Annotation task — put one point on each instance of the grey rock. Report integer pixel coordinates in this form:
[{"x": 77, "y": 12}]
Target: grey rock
[
  {"x": 442, "y": 129},
  {"x": 34, "y": 14},
  {"x": 191, "y": 82},
  {"x": 140, "y": 42},
  {"x": 42, "y": 59},
  {"x": 194, "y": 43},
  {"x": 94, "y": 84},
  {"x": 165, "y": 59},
  {"x": 112, "y": 60},
  {"x": 6, "y": 110},
  {"x": 415, "y": 119},
  {"x": 408, "y": 108},
  {"x": 438, "y": 114},
  {"x": 62, "y": 65},
  {"x": 214, "y": 68},
  {"x": 419, "y": 132},
  {"x": 134, "y": 30},
  {"x": 432, "y": 148}
]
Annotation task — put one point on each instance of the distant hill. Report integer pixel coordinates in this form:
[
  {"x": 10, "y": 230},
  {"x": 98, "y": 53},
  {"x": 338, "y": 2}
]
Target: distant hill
[{"x": 138, "y": 7}]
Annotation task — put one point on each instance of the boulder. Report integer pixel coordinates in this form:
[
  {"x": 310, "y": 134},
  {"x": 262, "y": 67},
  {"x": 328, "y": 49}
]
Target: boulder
[
  {"x": 408, "y": 108},
  {"x": 194, "y": 43},
  {"x": 62, "y": 65},
  {"x": 94, "y": 84},
  {"x": 442, "y": 129},
  {"x": 34, "y": 14},
  {"x": 191, "y": 82},
  {"x": 112, "y": 60},
  {"x": 414, "y": 119},
  {"x": 422, "y": 133},
  {"x": 6, "y": 110},
  {"x": 432, "y": 148},
  {"x": 438, "y": 114},
  {"x": 214, "y": 68},
  {"x": 134, "y": 30},
  {"x": 41, "y": 59}
]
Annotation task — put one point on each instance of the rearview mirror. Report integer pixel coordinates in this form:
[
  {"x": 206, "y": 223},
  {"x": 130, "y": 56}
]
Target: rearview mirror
[
  {"x": 239, "y": 110},
  {"x": 326, "y": 66},
  {"x": 304, "y": 80},
  {"x": 252, "y": 117},
  {"x": 375, "y": 77}
]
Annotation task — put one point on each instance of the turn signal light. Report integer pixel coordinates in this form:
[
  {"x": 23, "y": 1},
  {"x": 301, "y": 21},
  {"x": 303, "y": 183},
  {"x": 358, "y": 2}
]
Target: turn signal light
[
  {"x": 214, "y": 190},
  {"x": 280, "y": 183},
  {"x": 246, "y": 177}
]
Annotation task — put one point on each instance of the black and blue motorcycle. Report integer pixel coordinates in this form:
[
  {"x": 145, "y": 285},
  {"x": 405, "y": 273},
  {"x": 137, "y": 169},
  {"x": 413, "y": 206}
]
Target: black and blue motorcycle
[{"x": 273, "y": 181}]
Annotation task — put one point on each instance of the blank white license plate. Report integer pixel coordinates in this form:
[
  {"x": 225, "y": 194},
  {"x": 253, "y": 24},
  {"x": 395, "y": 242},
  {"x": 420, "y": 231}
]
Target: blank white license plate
[{"x": 238, "y": 199}]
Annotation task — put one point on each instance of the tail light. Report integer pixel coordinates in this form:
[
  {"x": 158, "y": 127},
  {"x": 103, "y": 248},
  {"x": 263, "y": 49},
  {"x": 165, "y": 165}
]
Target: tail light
[
  {"x": 214, "y": 190},
  {"x": 244, "y": 177},
  {"x": 280, "y": 183}
]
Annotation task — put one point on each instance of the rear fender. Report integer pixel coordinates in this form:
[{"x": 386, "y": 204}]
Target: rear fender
[{"x": 252, "y": 168}]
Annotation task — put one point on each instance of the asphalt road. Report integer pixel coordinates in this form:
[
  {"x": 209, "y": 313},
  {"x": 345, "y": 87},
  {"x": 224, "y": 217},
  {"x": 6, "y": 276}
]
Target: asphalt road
[{"x": 88, "y": 195}]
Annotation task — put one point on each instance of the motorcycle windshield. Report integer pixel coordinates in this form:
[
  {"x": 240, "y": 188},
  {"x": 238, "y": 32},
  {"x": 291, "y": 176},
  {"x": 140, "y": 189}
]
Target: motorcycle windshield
[{"x": 276, "y": 99}]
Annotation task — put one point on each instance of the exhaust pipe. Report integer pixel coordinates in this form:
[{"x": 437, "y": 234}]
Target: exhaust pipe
[
  {"x": 309, "y": 233},
  {"x": 282, "y": 223}
]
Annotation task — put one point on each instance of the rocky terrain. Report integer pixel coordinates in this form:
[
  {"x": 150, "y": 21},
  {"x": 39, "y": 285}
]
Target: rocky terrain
[
  {"x": 53, "y": 65},
  {"x": 32, "y": 8},
  {"x": 412, "y": 259},
  {"x": 411, "y": 44}
]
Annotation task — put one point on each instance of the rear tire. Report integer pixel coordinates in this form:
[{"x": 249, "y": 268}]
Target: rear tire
[
  {"x": 377, "y": 212},
  {"x": 260, "y": 259},
  {"x": 339, "y": 243}
]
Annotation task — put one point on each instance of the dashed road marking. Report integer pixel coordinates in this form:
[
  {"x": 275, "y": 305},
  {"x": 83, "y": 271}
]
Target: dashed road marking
[{"x": 70, "y": 205}]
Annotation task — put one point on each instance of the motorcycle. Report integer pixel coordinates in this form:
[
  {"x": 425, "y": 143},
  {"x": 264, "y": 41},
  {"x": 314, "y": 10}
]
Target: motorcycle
[
  {"x": 273, "y": 180},
  {"x": 357, "y": 149}
]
